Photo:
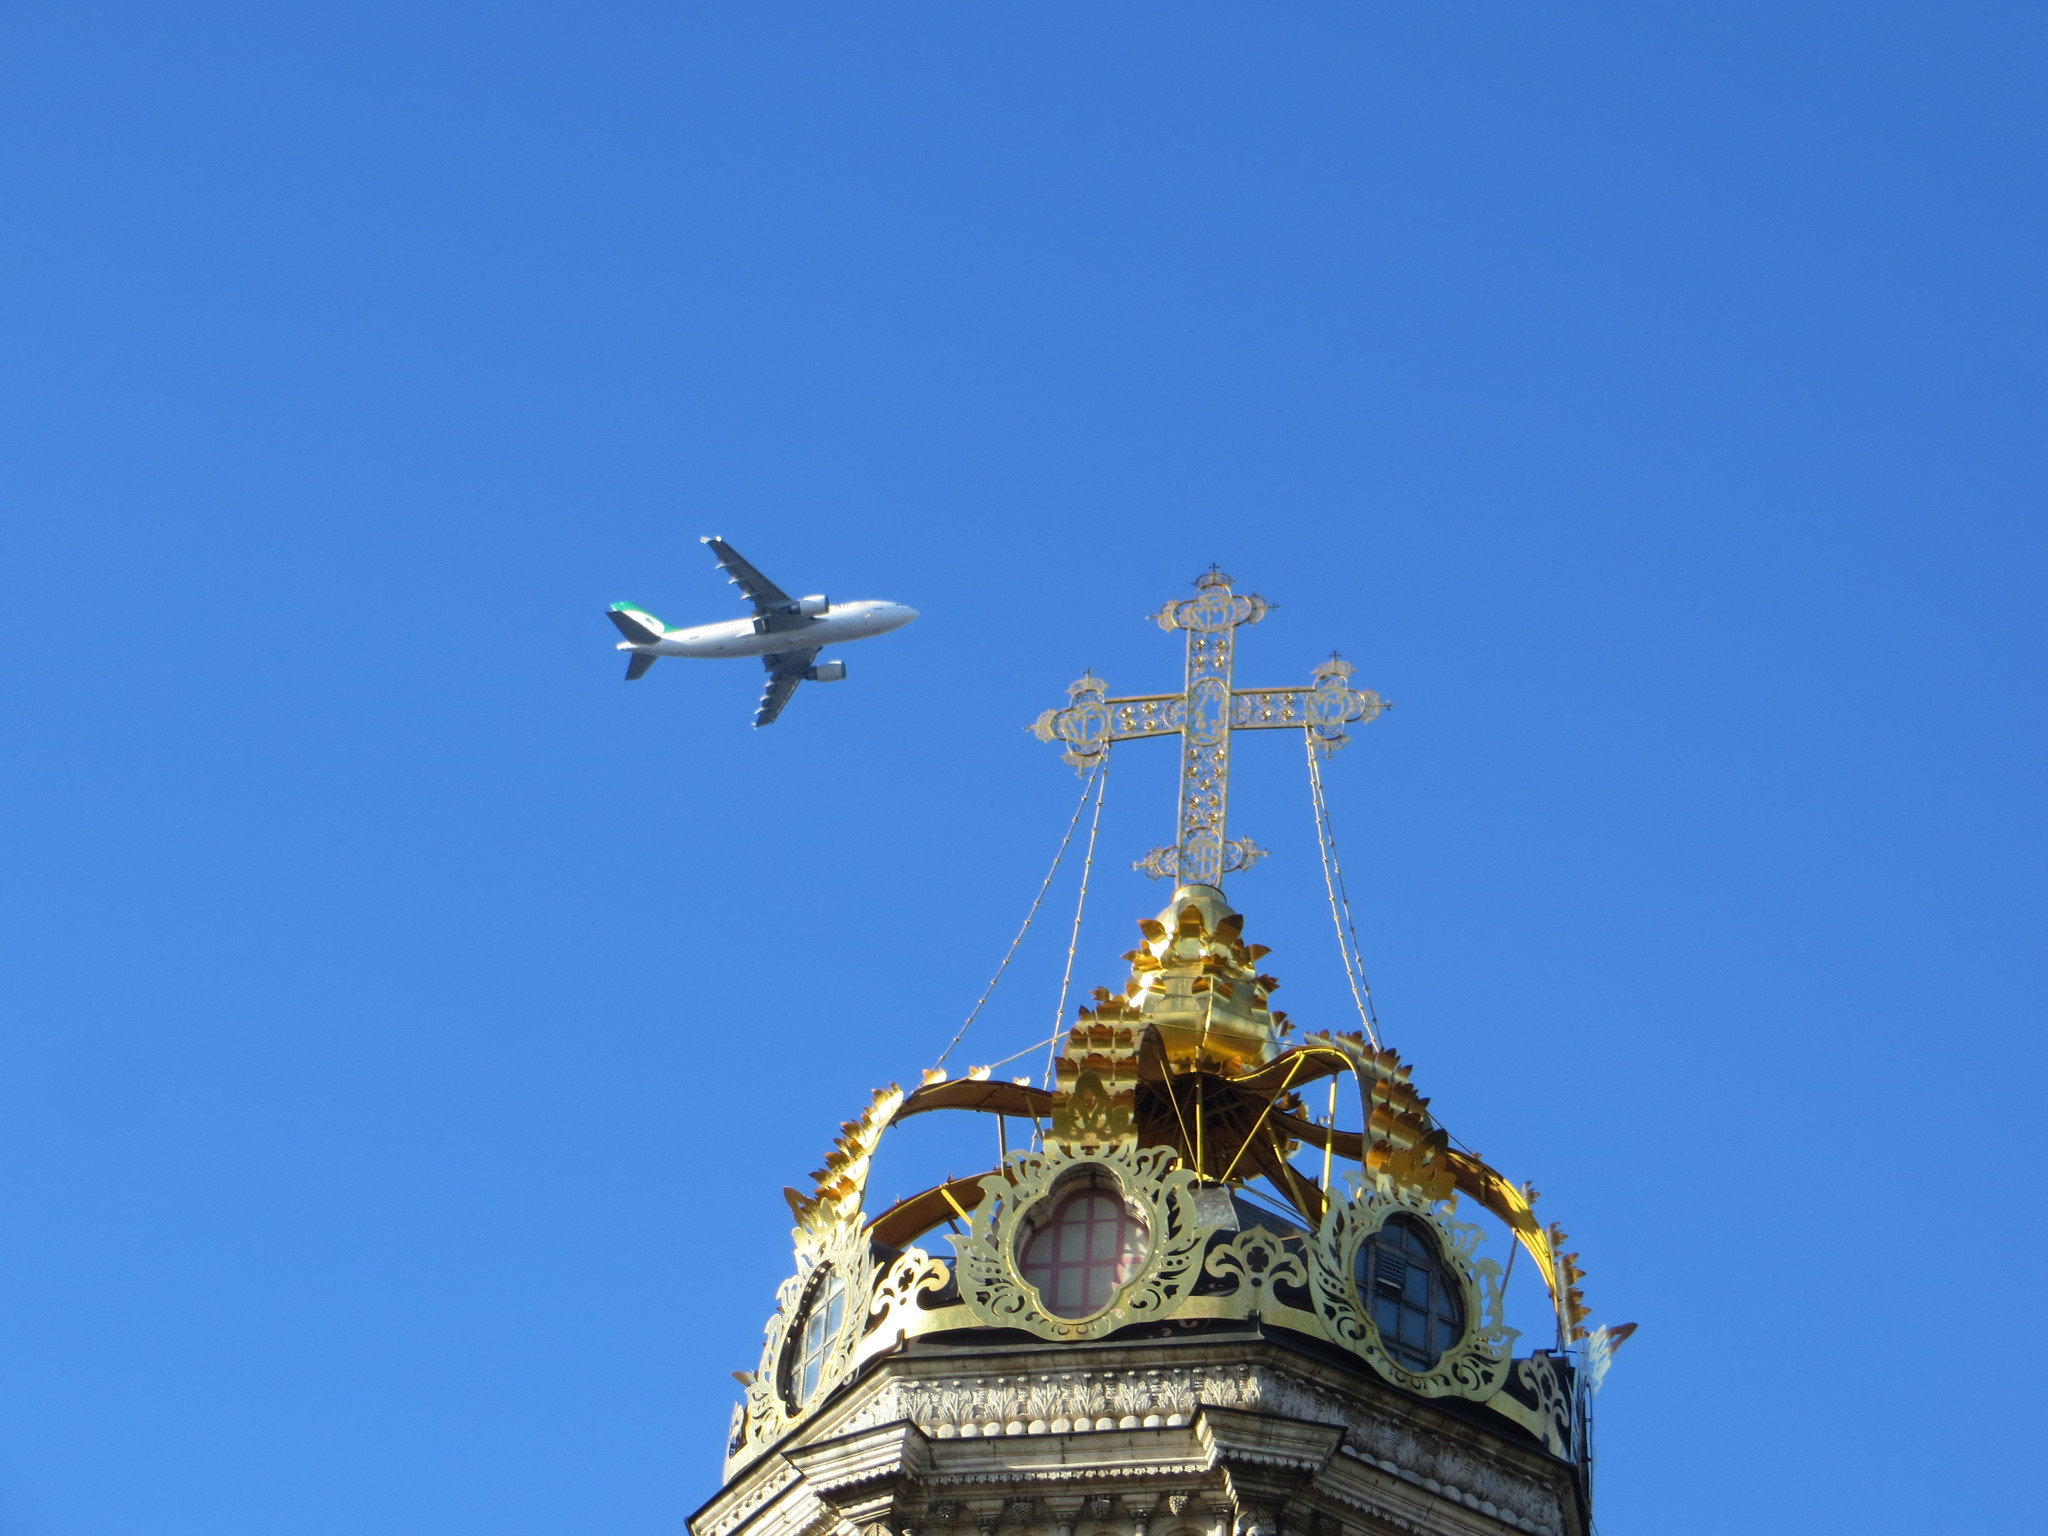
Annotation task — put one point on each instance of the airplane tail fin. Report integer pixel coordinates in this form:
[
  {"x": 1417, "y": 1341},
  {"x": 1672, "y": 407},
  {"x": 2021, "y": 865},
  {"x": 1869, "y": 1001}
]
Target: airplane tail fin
[
  {"x": 638, "y": 625},
  {"x": 637, "y": 665}
]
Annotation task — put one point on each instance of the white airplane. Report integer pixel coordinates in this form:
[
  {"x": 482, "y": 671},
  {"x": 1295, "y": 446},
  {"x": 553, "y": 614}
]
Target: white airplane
[{"x": 785, "y": 632}]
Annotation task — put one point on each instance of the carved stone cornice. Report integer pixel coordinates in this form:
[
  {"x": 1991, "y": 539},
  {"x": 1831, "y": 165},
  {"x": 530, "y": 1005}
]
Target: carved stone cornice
[{"x": 1224, "y": 1472}]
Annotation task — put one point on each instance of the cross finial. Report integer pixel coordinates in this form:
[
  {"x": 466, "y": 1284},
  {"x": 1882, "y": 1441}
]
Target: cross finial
[{"x": 1204, "y": 714}]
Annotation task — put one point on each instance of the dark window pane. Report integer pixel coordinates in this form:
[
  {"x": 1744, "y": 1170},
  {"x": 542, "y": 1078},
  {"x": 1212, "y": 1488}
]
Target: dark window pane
[
  {"x": 1411, "y": 1292},
  {"x": 1416, "y": 1291}
]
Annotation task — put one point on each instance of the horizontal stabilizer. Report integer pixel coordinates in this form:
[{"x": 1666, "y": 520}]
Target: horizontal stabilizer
[
  {"x": 636, "y": 624},
  {"x": 636, "y": 666}
]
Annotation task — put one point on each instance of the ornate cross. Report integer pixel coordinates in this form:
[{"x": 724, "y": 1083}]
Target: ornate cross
[{"x": 1204, "y": 714}]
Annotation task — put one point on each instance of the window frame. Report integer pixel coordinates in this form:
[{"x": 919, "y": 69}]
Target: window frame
[
  {"x": 1125, "y": 1263},
  {"x": 804, "y": 1359},
  {"x": 1445, "y": 1308}
]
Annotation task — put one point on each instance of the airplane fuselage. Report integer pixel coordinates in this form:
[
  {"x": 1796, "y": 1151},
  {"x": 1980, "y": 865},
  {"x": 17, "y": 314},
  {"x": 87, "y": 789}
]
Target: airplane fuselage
[{"x": 743, "y": 637}]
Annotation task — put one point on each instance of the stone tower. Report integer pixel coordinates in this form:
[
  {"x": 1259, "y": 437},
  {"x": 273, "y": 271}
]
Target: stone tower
[{"x": 1189, "y": 1305}]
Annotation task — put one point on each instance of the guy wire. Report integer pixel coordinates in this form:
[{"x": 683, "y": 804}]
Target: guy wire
[
  {"x": 1044, "y": 886},
  {"x": 1340, "y": 898},
  {"x": 1034, "y": 1045},
  {"x": 1059, "y": 1019}
]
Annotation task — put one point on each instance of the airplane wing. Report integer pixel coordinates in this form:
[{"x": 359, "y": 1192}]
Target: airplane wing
[
  {"x": 756, "y": 588},
  {"x": 785, "y": 670}
]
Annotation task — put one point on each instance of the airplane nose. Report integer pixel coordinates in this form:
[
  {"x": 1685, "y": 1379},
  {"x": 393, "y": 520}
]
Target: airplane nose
[{"x": 905, "y": 613}]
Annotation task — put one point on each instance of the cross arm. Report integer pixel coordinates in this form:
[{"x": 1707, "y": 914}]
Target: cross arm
[
  {"x": 1323, "y": 710},
  {"x": 1093, "y": 720}
]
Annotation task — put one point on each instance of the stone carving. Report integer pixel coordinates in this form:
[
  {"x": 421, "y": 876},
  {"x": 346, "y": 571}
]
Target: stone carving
[
  {"x": 1079, "y": 1400},
  {"x": 1060, "y": 1403},
  {"x": 1076, "y": 1401},
  {"x": 773, "y": 1482}
]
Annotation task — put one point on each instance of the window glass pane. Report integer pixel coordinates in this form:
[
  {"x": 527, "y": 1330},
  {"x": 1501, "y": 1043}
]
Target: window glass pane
[
  {"x": 1066, "y": 1291},
  {"x": 1088, "y": 1248},
  {"x": 1416, "y": 1291},
  {"x": 811, "y": 1343},
  {"x": 834, "y": 1309}
]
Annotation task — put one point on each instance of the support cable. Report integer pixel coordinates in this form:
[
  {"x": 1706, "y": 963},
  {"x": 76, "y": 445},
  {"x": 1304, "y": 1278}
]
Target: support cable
[
  {"x": 1059, "y": 1018},
  {"x": 1044, "y": 886},
  {"x": 1340, "y": 898}
]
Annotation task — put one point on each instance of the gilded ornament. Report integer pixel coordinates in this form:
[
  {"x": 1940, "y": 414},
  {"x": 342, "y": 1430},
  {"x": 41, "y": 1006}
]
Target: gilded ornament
[{"x": 989, "y": 1257}]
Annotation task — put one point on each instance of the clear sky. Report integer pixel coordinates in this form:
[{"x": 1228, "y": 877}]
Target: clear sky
[{"x": 409, "y": 1027}]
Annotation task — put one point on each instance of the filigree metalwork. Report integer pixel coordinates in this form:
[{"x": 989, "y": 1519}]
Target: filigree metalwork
[
  {"x": 847, "y": 1253},
  {"x": 1478, "y": 1362},
  {"x": 883, "y": 1307},
  {"x": 1323, "y": 710},
  {"x": 988, "y": 1263},
  {"x": 1258, "y": 1259},
  {"x": 831, "y": 1238},
  {"x": 1204, "y": 714},
  {"x": 1239, "y": 853},
  {"x": 894, "y": 1300},
  {"x": 1538, "y": 1397},
  {"x": 1195, "y": 1008}
]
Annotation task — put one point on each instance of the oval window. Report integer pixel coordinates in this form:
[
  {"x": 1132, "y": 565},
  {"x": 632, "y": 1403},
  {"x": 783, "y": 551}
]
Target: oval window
[
  {"x": 811, "y": 1341},
  {"x": 1085, "y": 1252},
  {"x": 1414, "y": 1298}
]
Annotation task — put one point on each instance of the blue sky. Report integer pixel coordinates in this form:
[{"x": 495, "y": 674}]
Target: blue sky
[{"x": 409, "y": 1028}]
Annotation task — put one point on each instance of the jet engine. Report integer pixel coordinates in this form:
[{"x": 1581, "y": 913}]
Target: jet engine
[
  {"x": 813, "y": 607},
  {"x": 826, "y": 672}
]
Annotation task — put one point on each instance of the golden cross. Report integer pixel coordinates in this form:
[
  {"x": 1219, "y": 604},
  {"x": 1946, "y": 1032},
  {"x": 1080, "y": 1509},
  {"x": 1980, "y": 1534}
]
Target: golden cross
[{"x": 1204, "y": 714}]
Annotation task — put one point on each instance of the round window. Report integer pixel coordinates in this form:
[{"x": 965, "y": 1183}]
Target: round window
[
  {"x": 1085, "y": 1252},
  {"x": 1411, "y": 1292},
  {"x": 810, "y": 1342}
]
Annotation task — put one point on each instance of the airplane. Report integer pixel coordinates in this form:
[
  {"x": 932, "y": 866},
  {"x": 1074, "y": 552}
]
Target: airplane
[{"x": 785, "y": 632}]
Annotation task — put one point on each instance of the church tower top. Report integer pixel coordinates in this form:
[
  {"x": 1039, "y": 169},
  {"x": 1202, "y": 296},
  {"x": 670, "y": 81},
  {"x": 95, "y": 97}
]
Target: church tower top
[{"x": 1186, "y": 1303}]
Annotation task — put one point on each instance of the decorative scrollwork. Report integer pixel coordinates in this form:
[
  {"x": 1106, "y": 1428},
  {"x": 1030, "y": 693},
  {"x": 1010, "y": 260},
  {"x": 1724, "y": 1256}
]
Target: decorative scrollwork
[
  {"x": 1538, "y": 1380},
  {"x": 1476, "y": 1365},
  {"x": 992, "y": 1283},
  {"x": 896, "y": 1292},
  {"x": 847, "y": 1253},
  {"x": 1258, "y": 1260}
]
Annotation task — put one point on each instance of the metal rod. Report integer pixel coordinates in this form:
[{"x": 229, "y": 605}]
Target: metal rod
[
  {"x": 1330, "y": 1142},
  {"x": 1260, "y": 1122},
  {"x": 1080, "y": 905}
]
